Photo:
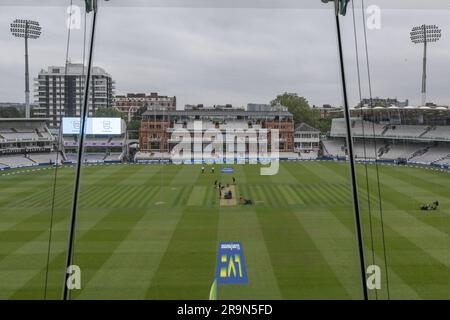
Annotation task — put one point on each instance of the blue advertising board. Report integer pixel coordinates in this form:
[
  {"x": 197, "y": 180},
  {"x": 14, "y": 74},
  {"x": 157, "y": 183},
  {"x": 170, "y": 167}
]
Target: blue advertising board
[
  {"x": 227, "y": 170},
  {"x": 230, "y": 268}
]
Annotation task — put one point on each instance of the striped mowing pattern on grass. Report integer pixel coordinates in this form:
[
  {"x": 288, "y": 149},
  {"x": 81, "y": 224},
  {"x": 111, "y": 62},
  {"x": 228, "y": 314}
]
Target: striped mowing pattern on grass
[{"x": 151, "y": 231}]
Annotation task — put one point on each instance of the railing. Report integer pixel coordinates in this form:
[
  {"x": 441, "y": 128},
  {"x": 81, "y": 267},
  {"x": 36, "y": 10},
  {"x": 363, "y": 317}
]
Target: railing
[{"x": 396, "y": 137}]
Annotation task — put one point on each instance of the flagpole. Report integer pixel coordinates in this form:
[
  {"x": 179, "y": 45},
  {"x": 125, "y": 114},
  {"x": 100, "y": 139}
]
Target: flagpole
[{"x": 83, "y": 118}]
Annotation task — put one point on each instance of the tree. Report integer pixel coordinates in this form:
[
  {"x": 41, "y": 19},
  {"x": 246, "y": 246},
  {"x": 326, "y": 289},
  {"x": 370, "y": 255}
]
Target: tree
[
  {"x": 11, "y": 112},
  {"x": 302, "y": 111},
  {"x": 134, "y": 126},
  {"x": 298, "y": 106},
  {"x": 108, "y": 113},
  {"x": 138, "y": 114},
  {"x": 135, "y": 123}
]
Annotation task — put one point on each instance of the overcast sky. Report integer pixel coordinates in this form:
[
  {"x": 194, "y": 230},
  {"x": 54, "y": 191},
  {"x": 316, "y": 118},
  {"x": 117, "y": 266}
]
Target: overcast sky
[{"x": 235, "y": 55}]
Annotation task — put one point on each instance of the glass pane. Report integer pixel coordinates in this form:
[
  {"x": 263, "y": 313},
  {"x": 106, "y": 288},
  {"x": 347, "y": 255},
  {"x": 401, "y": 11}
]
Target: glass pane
[
  {"x": 400, "y": 129},
  {"x": 150, "y": 227},
  {"x": 172, "y": 192},
  {"x": 36, "y": 177}
]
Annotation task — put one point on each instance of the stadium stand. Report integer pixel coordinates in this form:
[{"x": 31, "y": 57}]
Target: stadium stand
[
  {"x": 402, "y": 150},
  {"x": 366, "y": 150},
  {"x": 367, "y": 128},
  {"x": 71, "y": 157},
  {"x": 24, "y": 135},
  {"x": 405, "y": 131},
  {"x": 95, "y": 156},
  {"x": 432, "y": 154},
  {"x": 364, "y": 128},
  {"x": 298, "y": 155},
  {"x": 334, "y": 147},
  {"x": 358, "y": 127},
  {"x": 26, "y": 142},
  {"x": 443, "y": 161},
  {"x": 97, "y": 148},
  {"x": 44, "y": 157},
  {"x": 113, "y": 156},
  {"x": 338, "y": 128},
  {"x": 151, "y": 156},
  {"x": 89, "y": 157},
  {"x": 16, "y": 161},
  {"x": 438, "y": 133},
  {"x": 420, "y": 143}
]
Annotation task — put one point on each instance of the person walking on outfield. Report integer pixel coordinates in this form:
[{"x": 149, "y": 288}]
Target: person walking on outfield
[
  {"x": 234, "y": 180},
  {"x": 203, "y": 169},
  {"x": 212, "y": 170}
]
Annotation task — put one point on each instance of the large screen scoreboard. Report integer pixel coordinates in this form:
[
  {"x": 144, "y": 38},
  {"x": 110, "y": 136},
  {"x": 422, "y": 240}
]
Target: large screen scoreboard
[{"x": 97, "y": 126}]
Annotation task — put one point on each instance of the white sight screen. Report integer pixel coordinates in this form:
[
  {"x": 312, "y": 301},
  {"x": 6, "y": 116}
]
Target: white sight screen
[{"x": 97, "y": 126}]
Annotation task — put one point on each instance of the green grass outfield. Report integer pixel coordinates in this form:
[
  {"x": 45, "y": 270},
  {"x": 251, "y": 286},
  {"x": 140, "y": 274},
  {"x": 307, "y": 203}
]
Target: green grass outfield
[{"x": 151, "y": 231}]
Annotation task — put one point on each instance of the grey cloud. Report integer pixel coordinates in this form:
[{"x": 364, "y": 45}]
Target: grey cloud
[{"x": 240, "y": 55}]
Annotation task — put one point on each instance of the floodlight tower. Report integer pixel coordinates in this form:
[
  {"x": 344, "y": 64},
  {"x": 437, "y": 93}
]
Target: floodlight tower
[
  {"x": 425, "y": 34},
  {"x": 27, "y": 29}
]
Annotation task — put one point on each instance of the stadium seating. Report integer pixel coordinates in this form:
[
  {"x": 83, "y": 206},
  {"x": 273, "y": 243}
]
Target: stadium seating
[
  {"x": 24, "y": 134},
  {"x": 306, "y": 155},
  {"x": 438, "y": 132},
  {"x": 443, "y": 161},
  {"x": 338, "y": 128},
  {"x": 359, "y": 128},
  {"x": 362, "y": 128},
  {"x": 113, "y": 156},
  {"x": 45, "y": 157},
  {"x": 25, "y": 143},
  {"x": 433, "y": 154},
  {"x": 411, "y": 142},
  {"x": 334, "y": 147},
  {"x": 151, "y": 155},
  {"x": 402, "y": 150},
  {"x": 405, "y": 131},
  {"x": 91, "y": 142},
  {"x": 367, "y": 149},
  {"x": 416, "y": 152},
  {"x": 93, "y": 157},
  {"x": 366, "y": 128},
  {"x": 71, "y": 157},
  {"x": 16, "y": 161},
  {"x": 89, "y": 157},
  {"x": 97, "y": 148},
  {"x": 296, "y": 155}
]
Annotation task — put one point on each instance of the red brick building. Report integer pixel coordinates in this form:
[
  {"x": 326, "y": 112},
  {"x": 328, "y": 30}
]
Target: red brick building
[{"x": 157, "y": 125}]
